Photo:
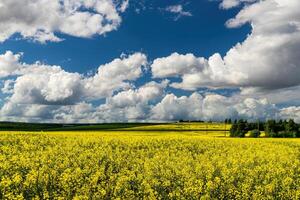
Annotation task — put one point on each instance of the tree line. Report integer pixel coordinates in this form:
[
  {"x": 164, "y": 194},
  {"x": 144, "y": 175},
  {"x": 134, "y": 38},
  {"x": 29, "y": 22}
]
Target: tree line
[{"x": 272, "y": 128}]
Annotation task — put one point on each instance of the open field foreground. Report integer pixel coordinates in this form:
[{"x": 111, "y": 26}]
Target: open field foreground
[{"x": 147, "y": 165}]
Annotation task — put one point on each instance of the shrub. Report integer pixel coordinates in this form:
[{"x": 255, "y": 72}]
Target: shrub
[{"x": 254, "y": 133}]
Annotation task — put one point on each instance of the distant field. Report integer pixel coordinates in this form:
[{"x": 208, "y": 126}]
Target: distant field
[
  {"x": 197, "y": 126},
  {"x": 147, "y": 165},
  {"x": 183, "y": 126},
  {"x": 10, "y": 126}
]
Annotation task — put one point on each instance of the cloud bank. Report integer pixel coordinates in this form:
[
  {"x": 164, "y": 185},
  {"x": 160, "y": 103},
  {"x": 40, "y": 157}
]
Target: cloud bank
[{"x": 39, "y": 92}]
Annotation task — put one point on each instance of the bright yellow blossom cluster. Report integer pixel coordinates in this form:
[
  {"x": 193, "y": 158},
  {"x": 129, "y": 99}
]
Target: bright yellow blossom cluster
[{"x": 146, "y": 165}]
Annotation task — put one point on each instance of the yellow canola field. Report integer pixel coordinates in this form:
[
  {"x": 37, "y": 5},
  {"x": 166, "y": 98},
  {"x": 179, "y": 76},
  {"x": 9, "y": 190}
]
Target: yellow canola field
[{"x": 147, "y": 165}]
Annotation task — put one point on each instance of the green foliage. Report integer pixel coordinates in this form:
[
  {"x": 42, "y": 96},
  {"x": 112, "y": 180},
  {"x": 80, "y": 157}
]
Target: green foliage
[
  {"x": 239, "y": 129},
  {"x": 228, "y": 121},
  {"x": 270, "y": 128},
  {"x": 254, "y": 133},
  {"x": 280, "y": 129}
]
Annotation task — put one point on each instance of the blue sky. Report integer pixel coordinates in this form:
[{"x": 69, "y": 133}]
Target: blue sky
[{"x": 207, "y": 48}]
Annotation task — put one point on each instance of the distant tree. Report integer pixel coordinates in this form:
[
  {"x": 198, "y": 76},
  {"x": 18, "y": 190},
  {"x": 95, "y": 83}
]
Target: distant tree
[
  {"x": 255, "y": 133},
  {"x": 233, "y": 130},
  {"x": 291, "y": 126},
  {"x": 242, "y": 128},
  {"x": 280, "y": 126},
  {"x": 270, "y": 128},
  {"x": 261, "y": 126},
  {"x": 249, "y": 126},
  {"x": 280, "y": 123},
  {"x": 239, "y": 129},
  {"x": 229, "y": 121}
]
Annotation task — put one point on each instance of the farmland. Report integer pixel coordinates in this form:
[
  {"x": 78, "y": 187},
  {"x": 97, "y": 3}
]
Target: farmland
[{"x": 163, "y": 161}]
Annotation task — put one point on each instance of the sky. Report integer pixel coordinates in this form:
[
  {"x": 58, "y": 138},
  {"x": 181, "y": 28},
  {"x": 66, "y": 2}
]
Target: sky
[{"x": 79, "y": 61}]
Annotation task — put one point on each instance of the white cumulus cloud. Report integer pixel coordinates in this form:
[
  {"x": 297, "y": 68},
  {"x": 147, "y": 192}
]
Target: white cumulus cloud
[
  {"x": 115, "y": 75},
  {"x": 292, "y": 112},
  {"x": 40, "y": 20},
  {"x": 226, "y": 4},
  {"x": 267, "y": 59},
  {"x": 213, "y": 107},
  {"x": 51, "y": 85}
]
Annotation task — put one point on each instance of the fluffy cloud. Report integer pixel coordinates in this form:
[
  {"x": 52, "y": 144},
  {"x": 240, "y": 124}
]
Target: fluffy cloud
[
  {"x": 218, "y": 107},
  {"x": 9, "y": 64},
  {"x": 178, "y": 10},
  {"x": 128, "y": 105},
  {"x": 267, "y": 59},
  {"x": 51, "y": 85},
  {"x": 148, "y": 103},
  {"x": 26, "y": 112},
  {"x": 257, "y": 109},
  {"x": 292, "y": 112},
  {"x": 115, "y": 75},
  {"x": 8, "y": 86},
  {"x": 213, "y": 107},
  {"x": 131, "y": 105},
  {"x": 195, "y": 71},
  {"x": 142, "y": 95},
  {"x": 80, "y": 113},
  {"x": 177, "y": 65},
  {"x": 194, "y": 107},
  {"x": 56, "y": 87},
  {"x": 172, "y": 108},
  {"x": 39, "y": 19},
  {"x": 226, "y": 4},
  {"x": 123, "y": 6},
  {"x": 286, "y": 96},
  {"x": 175, "y": 108},
  {"x": 42, "y": 92}
]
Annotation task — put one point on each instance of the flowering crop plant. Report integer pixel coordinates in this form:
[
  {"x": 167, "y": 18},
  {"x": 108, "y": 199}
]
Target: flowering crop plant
[{"x": 147, "y": 165}]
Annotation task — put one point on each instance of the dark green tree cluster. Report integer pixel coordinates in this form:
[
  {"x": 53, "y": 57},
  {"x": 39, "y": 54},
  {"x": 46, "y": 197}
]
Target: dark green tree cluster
[
  {"x": 239, "y": 128},
  {"x": 282, "y": 129},
  {"x": 272, "y": 128},
  {"x": 228, "y": 121}
]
